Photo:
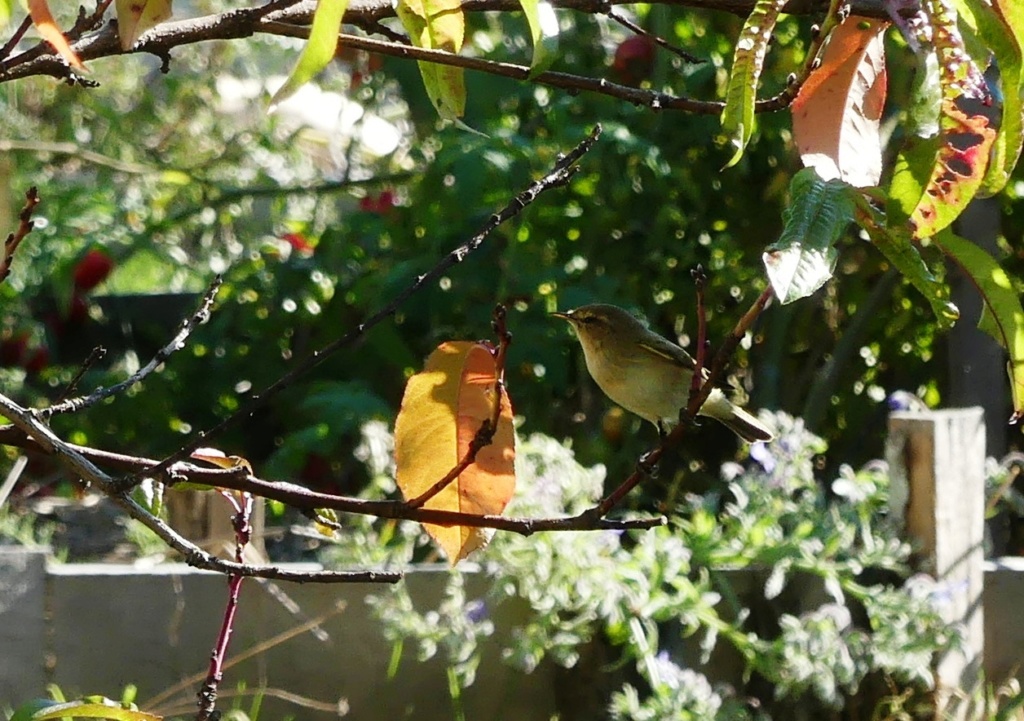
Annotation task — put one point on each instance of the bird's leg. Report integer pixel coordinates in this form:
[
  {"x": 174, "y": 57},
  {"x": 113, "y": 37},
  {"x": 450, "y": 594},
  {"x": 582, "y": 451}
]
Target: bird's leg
[
  {"x": 685, "y": 419},
  {"x": 646, "y": 466}
]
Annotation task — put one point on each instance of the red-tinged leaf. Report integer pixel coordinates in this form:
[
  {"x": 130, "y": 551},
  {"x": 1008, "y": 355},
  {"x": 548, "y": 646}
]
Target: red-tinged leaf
[
  {"x": 1000, "y": 26},
  {"x": 438, "y": 25},
  {"x": 442, "y": 410},
  {"x": 319, "y": 49},
  {"x": 747, "y": 62},
  {"x": 966, "y": 132},
  {"x": 837, "y": 111},
  {"x": 39, "y": 11},
  {"x": 1002, "y": 316},
  {"x": 135, "y": 17}
]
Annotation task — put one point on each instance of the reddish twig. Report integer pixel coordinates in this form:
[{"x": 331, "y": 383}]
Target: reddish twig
[
  {"x": 25, "y": 226},
  {"x": 242, "y": 504},
  {"x": 651, "y": 458},
  {"x": 489, "y": 426},
  {"x": 702, "y": 332}
]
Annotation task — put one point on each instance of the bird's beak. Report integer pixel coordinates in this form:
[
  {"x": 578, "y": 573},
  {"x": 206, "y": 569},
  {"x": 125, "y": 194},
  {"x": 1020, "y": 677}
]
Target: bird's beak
[{"x": 563, "y": 316}]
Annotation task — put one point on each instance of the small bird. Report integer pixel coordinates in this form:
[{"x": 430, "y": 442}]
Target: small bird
[{"x": 647, "y": 374}]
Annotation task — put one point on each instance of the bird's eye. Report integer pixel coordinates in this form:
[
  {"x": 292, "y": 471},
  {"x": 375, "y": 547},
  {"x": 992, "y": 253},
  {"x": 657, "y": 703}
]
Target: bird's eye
[{"x": 590, "y": 319}]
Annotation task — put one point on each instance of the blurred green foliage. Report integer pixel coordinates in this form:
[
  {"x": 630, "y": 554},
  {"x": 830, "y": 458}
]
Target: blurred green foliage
[{"x": 182, "y": 175}]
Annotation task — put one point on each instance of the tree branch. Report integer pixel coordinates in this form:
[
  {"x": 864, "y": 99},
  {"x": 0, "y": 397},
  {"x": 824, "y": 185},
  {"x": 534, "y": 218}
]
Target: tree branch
[{"x": 366, "y": 14}]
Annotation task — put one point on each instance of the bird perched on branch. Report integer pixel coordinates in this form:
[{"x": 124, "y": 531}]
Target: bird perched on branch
[{"x": 647, "y": 374}]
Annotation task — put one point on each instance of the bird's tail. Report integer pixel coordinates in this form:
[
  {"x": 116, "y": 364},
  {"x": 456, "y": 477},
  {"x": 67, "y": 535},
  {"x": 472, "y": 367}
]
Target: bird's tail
[{"x": 745, "y": 425}]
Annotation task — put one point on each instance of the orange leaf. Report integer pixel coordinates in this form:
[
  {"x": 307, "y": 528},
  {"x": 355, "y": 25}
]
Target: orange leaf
[
  {"x": 442, "y": 410},
  {"x": 44, "y": 22},
  {"x": 837, "y": 111}
]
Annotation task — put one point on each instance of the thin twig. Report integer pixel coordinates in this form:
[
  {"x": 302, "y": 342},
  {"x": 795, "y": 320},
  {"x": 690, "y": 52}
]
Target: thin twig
[
  {"x": 188, "y": 326},
  {"x": 15, "y": 39},
  {"x": 243, "y": 530},
  {"x": 95, "y": 356},
  {"x": 25, "y": 225},
  {"x": 560, "y": 175},
  {"x": 629, "y": 24},
  {"x": 489, "y": 426},
  {"x": 702, "y": 332}
]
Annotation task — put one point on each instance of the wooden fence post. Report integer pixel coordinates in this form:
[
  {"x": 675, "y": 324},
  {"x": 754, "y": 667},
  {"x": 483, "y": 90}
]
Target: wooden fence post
[{"x": 937, "y": 463}]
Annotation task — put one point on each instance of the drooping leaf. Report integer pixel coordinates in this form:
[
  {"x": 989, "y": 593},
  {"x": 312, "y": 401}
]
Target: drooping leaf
[
  {"x": 747, "y": 62},
  {"x": 438, "y": 25},
  {"x": 43, "y": 20},
  {"x": 540, "y": 16},
  {"x": 442, "y": 409},
  {"x": 218, "y": 458},
  {"x": 804, "y": 256},
  {"x": 837, "y": 111},
  {"x": 1002, "y": 316},
  {"x": 319, "y": 49},
  {"x": 897, "y": 245},
  {"x": 967, "y": 132},
  {"x": 135, "y": 17},
  {"x": 1000, "y": 26}
]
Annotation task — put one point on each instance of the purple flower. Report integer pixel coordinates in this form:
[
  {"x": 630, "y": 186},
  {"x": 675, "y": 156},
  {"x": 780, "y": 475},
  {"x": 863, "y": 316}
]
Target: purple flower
[
  {"x": 476, "y": 610},
  {"x": 760, "y": 453}
]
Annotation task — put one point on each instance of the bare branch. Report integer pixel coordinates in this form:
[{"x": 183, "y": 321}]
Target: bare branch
[
  {"x": 177, "y": 343},
  {"x": 25, "y": 225}
]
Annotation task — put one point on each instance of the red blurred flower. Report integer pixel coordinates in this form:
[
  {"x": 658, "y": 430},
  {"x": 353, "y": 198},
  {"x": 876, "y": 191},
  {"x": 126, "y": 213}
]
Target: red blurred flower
[
  {"x": 37, "y": 360},
  {"x": 634, "y": 60},
  {"x": 92, "y": 269},
  {"x": 380, "y": 204},
  {"x": 12, "y": 349},
  {"x": 298, "y": 243}
]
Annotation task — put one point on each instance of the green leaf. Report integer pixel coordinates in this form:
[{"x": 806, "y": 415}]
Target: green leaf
[
  {"x": 319, "y": 50},
  {"x": 1000, "y": 26},
  {"x": 438, "y": 25},
  {"x": 896, "y": 244},
  {"x": 1002, "y": 317},
  {"x": 540, "y": 16},
  {"x": 93, "y": 707},
  {"x": 747, "y": 62},
  {"x": 804, "y": 256}
]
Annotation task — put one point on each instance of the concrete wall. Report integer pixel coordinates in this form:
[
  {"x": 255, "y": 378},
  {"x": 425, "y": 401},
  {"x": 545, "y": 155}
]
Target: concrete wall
[{"x": 93, "y": 629}]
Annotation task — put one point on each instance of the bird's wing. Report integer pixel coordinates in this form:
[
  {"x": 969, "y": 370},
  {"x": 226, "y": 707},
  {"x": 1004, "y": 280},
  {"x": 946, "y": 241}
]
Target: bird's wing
[{"x": 668, "y": 350}]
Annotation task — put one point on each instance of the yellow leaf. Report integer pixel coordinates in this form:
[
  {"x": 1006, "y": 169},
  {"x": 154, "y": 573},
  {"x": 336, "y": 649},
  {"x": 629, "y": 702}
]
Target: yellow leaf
[
  {"x": 218, "y": 458},
  {"x": 135, "y": 17},
  {"x": 438, "y": 25},
  {"x": 442, "y": 410},
  {"x": 39, "y": 11}
]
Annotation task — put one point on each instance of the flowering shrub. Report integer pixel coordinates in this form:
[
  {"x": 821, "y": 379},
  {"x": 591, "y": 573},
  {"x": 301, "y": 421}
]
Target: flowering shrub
[{"x": 855, "y": 613}]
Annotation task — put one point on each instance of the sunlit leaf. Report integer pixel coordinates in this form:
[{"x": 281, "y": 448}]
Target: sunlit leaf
[
  {"x": 1000, "y": 26},
  {"x": 442, "y": 410},
  {"x": 43, "y": 20},
  {"x": 1002, "y": 316},
  {"x": 804, "y": 256},
  {"x": 747, "y": 63},
  {"x": 93, "y": 707},
  {"x": 837, "y": 111},
  {"x": 897, "y": 245},
  {"x": 956, "y": 169},
  {"x": 135, "y": 17},
  {"x": 218, "y": 458},
  {"x": 540, "y": 15},
  {"x": 319, "y": 49},
  {"x": 438, "y": 25}
]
